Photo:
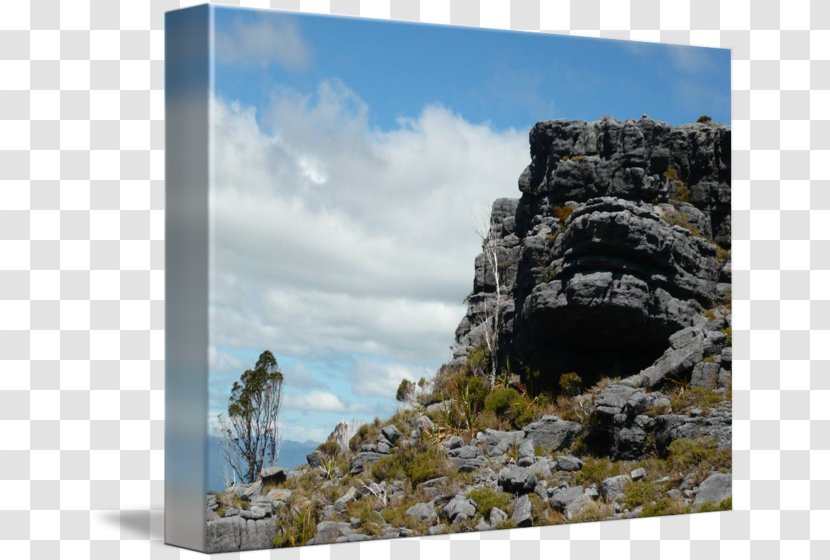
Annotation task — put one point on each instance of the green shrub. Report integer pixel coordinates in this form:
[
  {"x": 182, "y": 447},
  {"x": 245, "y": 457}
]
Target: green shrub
[
  {"x": 723, "y": 505},
  {"x": 705, "y": 119},
  {"x": 671, "y": 174},
  {"x": 500, "y": 399},
  {"x": 488, "y": 498},
  {"x": 692, "y": 397},
  {"x": 640, "y": 493},
  {"x": 418, "y": 465},
  {"x": 595, "y": 470},
  {"x": 405, "y": 390},
  {"x": 665, "y": 506},
  {"x": 699, "y": 454},
  {"x": 570, "y": 383},
  {"x": 728, "y": 332},
  {"x": 298, "y": 527}
]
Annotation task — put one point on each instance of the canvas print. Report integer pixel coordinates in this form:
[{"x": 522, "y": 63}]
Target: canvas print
[{"x": 451, "y": 279}]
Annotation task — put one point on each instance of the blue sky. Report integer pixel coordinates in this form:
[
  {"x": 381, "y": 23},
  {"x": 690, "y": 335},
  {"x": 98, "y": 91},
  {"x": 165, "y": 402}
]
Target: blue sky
[{"x": 352, "y": 160}]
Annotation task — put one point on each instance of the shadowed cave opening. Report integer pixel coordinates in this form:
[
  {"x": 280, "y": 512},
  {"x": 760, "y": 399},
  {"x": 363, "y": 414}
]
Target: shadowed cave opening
[{"x": 592, "y": 342}]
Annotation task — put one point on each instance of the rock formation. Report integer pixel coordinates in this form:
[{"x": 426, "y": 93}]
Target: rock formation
[
  {"x": 619, "y": 240},
  {"x": 615, "y": 271}
]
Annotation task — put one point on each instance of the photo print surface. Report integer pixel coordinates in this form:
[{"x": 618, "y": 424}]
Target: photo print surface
[{"x": 461, "y": 280}]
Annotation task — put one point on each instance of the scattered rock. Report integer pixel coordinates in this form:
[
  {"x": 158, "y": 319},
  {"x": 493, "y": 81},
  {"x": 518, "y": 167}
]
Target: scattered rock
[
  {"x": 460, "y": 508},
  {"x": 497, "y": 517},
  {"x": 358, "y": 462},
  {"x": 562, "y": 497},
  {"x": 552, "y": 433},
  {"x": 454, "y": 442},
  {"x": 517, "y": 480},
  {"x": 613, "y": 488},
  {"x": 568, "y": 463},
  {"x": 329, "y": 532},
  {"x": 422, "y": 512},
  {"x": 273, "y": 475},
  {"x": 638, "y": 474},
  {"x": 716, "y": 488},
  {"x": 391, "y": 432},
  {"x": 522, "y": 512}
]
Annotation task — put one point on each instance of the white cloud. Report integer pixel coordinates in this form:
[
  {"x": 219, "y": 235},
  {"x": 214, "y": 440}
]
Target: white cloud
[
  {"x": 375, "y": 379},
  {"x": 320, "y": 401},
  {"x": 333, "y": 237},
  {"x": 260, "y": 42}
]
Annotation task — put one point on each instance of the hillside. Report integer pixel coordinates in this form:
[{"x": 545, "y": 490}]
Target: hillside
[{"x": 591, "y": 376}]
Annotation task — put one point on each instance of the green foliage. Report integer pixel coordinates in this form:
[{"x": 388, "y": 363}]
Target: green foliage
[
  {"x": 487, "y": 498},
  {"x": 728, "y": 332},
  {"x": 705, "y": 119},
  {"x": 329, "y": 448},
  {"x": 665, "y": 506},
  {"x": 500, "y": 399},
  {"x": 596, "y": 469},
  {"x": 723, "y": 505},
  {"x": 405, "y": 391},
  {"x": 640, "y": 493},
  {"x": 691, "y": 397},
  {"x": 478, "y": 358},
  {"x": 416, "y": 465},
  {"x": 365, "y": 510},
  {"x": 671, "y": 174},
  {"x": 249, "y": 433},
  {"x": 570, "y": 384},
  {"x": 298, "y": 527},
  {"x": 701, "y": 455}
]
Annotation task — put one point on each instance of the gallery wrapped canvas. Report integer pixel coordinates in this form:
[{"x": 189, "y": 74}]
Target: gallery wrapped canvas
[{"x": 425, "y": 279}]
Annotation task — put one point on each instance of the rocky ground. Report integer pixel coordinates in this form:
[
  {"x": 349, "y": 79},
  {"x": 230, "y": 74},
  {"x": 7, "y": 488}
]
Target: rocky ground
[
  {"x": 613, "y": 353},
  {"x": 669, "y": 453}
]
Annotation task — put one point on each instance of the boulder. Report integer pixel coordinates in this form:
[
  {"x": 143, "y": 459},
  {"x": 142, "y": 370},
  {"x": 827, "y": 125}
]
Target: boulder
[
  {"x": 422, "y": 512},
  {"x": 273, "y": 475},
  {"x": 230, "y": 534},
  {"x": 329, "y": 532},
  {"x": 613, "y": 488},
  {"x": 552, "y": 433},
  {"x": 522, "y": 512},
  {"x": 517, "y": 480},
  {"x": 568, "y": 463},
  {"x": 497, "y": 517},
  {"x": 716, "y": 488},
  {"x": 460, "y": 508},
  {"x": 359, "y": 462},
  {"x": 391, "y": 432}
]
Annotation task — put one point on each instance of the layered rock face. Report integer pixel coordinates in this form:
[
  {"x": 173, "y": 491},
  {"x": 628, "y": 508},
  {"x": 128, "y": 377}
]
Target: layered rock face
[{"x": 619, "y": 240}]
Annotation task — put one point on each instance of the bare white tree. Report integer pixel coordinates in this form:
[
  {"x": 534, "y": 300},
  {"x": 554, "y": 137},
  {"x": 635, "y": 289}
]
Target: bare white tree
[{"x": 492, "y": 312}]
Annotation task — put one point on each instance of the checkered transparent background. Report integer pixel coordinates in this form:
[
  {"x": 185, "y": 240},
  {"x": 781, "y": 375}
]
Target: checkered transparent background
[{"x": 82, "y": 278}]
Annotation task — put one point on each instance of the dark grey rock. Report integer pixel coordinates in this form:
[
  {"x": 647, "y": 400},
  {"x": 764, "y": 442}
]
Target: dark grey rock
[
  {"x": 459, "y": 509},
  {"x": 422, "y": 512},
  {"x": 391, "y": 432},
  {"x": 568, "y": 463},
  {"x": 517, "y": 480},
  {"x": 562, "y": 497},
  {"x": 522, "y": 512},
  {"x": 315, "y": 458},
  {"x": 613, "y": 488},
  {"x": 359, "y": 462},
  {"x": 552, "y": 433},
  {"x": 454, "y": 442},
  {"x": 273, "y": 475},
  {"x": 329, "y": 532}
]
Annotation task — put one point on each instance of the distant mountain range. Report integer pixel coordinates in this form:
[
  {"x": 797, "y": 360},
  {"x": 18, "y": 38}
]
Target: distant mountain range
[{"x": 292, "y": 455}]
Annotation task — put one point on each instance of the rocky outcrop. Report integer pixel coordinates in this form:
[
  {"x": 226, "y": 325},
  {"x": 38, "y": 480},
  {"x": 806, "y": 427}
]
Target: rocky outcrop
[{"x": 619, "y": 240}]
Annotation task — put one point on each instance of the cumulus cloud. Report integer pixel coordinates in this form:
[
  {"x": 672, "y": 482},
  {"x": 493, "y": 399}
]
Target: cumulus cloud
[
  {"x": 334, "y": 236},
  {"x": 261, "y": 42},
  {"x": 373, "y": 379},
  {"x": 320, "y": 401}
]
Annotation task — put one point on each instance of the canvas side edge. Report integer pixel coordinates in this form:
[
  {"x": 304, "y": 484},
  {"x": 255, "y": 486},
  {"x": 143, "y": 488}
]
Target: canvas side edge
[{"x": 187, "y": 83}]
